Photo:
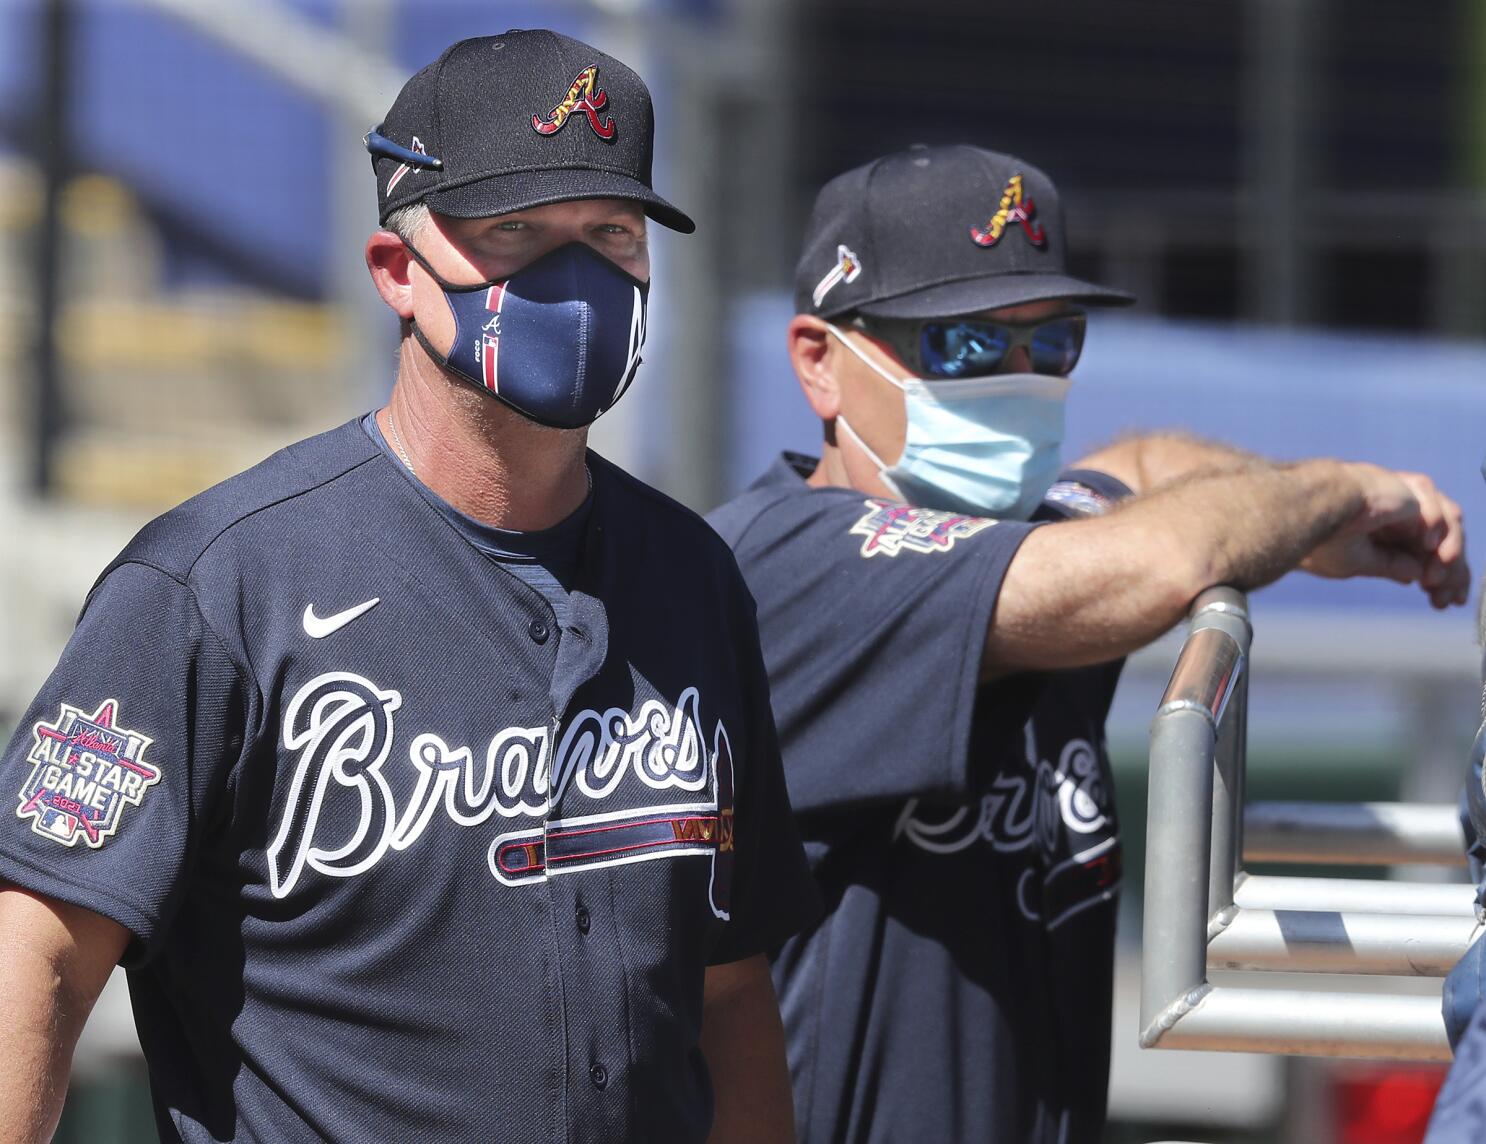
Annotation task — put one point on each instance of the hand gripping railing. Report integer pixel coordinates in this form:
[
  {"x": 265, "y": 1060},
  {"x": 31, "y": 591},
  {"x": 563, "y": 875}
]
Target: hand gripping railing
[{"x": 1203, "y": 912}]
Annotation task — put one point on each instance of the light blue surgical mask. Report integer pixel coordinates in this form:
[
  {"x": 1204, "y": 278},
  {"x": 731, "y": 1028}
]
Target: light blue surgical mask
[{"x": 987, "y": 446}]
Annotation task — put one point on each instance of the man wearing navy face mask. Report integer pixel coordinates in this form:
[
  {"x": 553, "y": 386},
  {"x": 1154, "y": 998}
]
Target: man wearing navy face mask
[
  {"x": 423, "y": 777},
  {"x": 944, "y": 613}
]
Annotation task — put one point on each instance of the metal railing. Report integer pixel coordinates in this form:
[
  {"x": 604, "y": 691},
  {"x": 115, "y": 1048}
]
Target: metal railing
[{"x": 1203, "y": 912}]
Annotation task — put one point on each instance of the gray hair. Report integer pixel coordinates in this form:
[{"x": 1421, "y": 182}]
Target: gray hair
[{"x": 408, "y": 222}]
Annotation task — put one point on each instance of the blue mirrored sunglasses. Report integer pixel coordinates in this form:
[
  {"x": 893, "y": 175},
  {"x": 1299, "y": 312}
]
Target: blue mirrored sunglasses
[{"x": 977, "y": 347}]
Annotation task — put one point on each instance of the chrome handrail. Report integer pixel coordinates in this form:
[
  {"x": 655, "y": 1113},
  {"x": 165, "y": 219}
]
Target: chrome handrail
[{"x": 1202, "y": 911}]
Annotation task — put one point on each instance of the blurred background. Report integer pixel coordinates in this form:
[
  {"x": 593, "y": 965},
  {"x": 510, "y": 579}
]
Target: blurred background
[{"x": 1296, "y": 190}]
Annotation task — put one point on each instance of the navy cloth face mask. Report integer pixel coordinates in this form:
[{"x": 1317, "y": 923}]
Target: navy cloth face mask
[{"x": 558, "y": 341}]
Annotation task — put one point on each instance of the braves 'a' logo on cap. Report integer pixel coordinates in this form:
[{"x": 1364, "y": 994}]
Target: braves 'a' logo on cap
[
  {"x": 848, "y": 266},
  {"x": 404, "y": 168},
  {"x": 85, "y": 769},
  {"x": 584, "y": 95},
  {"x": 1014, "y": 207}
]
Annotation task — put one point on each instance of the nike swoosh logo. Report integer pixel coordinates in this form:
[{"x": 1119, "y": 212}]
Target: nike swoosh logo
[{"x": 317, "y": 628}]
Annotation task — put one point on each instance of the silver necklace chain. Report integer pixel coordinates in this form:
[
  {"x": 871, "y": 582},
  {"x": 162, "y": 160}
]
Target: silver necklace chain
[
  {"x": 397, "y": 440},
  {"x": 403, "y": 453}
]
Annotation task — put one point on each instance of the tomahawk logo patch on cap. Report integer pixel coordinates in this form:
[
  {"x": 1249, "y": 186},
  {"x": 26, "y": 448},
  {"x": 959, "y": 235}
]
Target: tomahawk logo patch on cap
[
  {"x": 1014, "y": 207},
  {"x": 583, "y": 95},
  {"x": 404, "y": 168},
  {"x": 846, "y": 269}
]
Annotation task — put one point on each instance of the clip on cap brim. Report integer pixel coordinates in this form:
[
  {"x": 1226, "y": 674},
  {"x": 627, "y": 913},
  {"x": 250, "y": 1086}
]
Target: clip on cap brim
[{"x": 383, "y": 148}]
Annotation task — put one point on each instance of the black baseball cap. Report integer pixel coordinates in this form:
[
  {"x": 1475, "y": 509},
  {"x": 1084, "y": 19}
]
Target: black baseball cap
[
  {"x": 503, "y": 123},
  {"x": 933, "y": 232}
]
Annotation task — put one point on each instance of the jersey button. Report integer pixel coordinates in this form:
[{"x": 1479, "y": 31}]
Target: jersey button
[
  {"x": 537, "y": 629},
  {"x": 600, "y": 1076},
  {"x": 583, "y": 919}
]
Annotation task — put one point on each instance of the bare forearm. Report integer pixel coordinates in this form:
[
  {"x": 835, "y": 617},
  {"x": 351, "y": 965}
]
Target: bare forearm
[
  {"x": 54, "y": 960},
  {"x": 38, "y": 1051},
  {"x": 1249, "y": 528},
  {"x": 1090, "y": 591},
  {"x": 743, "y": 1041},
  {"x": 1151, "y": 461}
]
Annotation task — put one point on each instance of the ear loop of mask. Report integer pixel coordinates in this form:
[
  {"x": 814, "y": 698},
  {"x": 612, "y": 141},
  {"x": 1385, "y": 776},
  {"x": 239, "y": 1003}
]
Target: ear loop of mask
[
  {"x": 872, "y": 456},
  {"x": 868, "y": 362},
  {"x": 443, "y": 284},
  {"x": 448, "y": 288}
]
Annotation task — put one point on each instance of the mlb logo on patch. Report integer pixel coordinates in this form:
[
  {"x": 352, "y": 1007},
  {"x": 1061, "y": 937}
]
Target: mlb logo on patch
[{"x": 85, "y": 770}]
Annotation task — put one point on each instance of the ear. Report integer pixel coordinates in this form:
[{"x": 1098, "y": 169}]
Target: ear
[
  {"x": 388, "y": 262},
  {"x": 812, "y": 351}
]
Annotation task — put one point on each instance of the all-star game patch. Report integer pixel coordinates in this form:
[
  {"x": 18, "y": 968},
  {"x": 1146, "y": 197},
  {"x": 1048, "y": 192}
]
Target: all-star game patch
[
  {"x": 891, "y": 528},
  {"x": 85, "y": 770}
]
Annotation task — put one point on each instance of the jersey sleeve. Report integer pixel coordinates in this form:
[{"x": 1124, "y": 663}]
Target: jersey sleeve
[
  {"x": 1459, "y": 1115},
  {"x": 874, "y": 617},
  {"x": 1080, "y": 493},
  {"x": 773, "y": 894},
  {"x": 116, "y": 767}
]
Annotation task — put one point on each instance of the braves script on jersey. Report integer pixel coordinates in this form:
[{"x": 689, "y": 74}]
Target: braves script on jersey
[
  {"x": 404, "y": 856},
  {"x": 964, "y": 836}
]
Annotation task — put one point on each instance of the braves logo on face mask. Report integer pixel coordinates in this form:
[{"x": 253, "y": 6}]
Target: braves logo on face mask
[
  {"x": 558, "y": 341},
  {"x": 1012, "y": 208},
  {"x": 584, "y": 95}
]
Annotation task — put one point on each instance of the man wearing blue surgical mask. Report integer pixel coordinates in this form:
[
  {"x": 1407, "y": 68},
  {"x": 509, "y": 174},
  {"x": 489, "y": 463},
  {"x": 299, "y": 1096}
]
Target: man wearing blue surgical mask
[
  {"x": 982, "y": 426},
  {"x": 423, "y": 776},
  {"x": 944, "y": 611}
]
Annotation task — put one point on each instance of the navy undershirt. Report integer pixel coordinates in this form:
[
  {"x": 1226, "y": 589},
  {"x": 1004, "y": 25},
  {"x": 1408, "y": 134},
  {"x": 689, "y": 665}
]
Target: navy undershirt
[{"x": 546, "y": 560}]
